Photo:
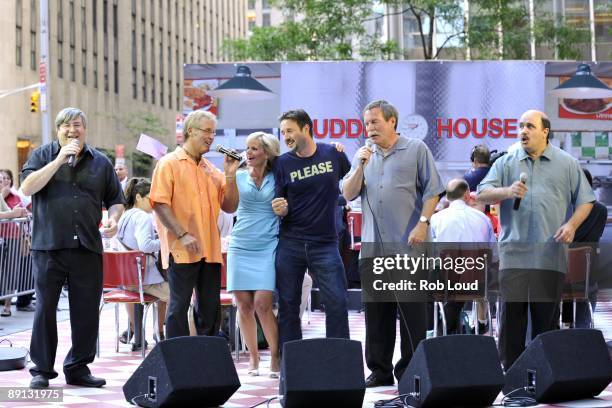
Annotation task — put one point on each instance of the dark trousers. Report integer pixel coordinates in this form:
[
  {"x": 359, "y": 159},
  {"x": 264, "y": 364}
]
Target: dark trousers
[
  {"x": 535, "y": 291},
  {"x": 183, "y": 278},
  {"x": 83, "y": 270},
  {"x": 293, "y": 257},
  {"x": 381, "y": 320}
]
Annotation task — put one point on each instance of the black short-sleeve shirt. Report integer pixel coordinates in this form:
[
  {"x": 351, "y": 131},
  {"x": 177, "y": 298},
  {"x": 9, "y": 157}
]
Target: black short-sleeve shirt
[{"x": 67, "y": 211}]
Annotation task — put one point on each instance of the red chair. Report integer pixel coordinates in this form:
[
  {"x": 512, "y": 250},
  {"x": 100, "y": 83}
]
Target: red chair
[
  {"x": 125, "y": 269},
  {"x": 577, "y": 280}
]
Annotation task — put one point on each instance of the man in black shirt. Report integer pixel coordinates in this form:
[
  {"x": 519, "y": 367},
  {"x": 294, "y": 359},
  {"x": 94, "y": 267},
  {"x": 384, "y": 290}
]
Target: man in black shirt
[{"x": 69, "y": 182}]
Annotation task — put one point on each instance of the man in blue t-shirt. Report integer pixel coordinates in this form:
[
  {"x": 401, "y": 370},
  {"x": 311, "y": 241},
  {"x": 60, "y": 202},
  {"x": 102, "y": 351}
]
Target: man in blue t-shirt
[{"x": 307, "y": 192}]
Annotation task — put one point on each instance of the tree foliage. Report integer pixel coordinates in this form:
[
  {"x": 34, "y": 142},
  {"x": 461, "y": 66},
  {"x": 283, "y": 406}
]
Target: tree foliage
[
  {"x": 321, "y": 30},
  {"x": 334, "y": 30}
]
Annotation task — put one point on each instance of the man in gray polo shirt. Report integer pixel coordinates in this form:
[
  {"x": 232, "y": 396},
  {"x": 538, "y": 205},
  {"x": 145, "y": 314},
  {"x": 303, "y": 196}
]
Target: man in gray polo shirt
[
  {"x": 532, "y": 260},
  {"x": 399, "y": 187}
]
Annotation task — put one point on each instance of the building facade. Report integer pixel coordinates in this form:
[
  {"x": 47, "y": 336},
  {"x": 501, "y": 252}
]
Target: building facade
[
  {"x": 261, "y": 14},
  {"x": 121, "y": 62}
]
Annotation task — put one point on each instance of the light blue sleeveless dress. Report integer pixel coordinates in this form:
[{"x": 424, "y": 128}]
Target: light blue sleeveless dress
[{"x": 252, "y": 249}]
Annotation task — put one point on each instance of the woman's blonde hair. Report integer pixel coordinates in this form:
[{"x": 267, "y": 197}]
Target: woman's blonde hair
[{"x": 269, "y": 144}]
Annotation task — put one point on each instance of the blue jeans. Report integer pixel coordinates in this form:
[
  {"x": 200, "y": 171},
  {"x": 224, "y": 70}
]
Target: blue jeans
[{"x": 293, "y": 257}]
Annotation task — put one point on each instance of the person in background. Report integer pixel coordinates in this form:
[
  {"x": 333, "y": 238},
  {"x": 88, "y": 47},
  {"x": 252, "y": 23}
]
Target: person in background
[
  {"x": 460, "y": 223},
  {"x": 122, "y": 172},
  {"x": 135, "y": 232},
  {"x": 251, "y": 274},
  {"x": 480, "y": 158},
  {"x": 589, "y": 233},
  {"x": 14, "y": 201}
]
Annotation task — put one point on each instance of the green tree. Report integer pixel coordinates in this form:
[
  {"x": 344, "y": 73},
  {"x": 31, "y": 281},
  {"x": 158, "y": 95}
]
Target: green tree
[
  {"x": 501, "y": 29},
  {"x": 321, "y": 30},
  {"x": 133, "y": 125},
  {"x": 334, "y": 30}
]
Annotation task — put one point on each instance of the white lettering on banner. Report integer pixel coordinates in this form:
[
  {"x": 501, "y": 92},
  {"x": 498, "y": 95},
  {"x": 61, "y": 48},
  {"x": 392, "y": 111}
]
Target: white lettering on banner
[{"x": 313, "y": 170}]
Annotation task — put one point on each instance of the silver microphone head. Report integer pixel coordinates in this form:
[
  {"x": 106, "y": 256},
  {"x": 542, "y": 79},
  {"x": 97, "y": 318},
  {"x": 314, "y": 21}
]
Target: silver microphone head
[
  {"x": 523, "y": 178},
  {"x": 368, "y": 142}
]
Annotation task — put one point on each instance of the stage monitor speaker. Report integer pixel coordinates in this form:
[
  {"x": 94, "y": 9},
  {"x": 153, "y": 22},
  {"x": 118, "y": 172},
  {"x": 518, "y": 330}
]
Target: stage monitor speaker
[
  {"x": 322, "y": 373},
  {"x": 184, "y": 372},
  {"x": 449, "y": 371},
  {"x": 562, "y": 365}
]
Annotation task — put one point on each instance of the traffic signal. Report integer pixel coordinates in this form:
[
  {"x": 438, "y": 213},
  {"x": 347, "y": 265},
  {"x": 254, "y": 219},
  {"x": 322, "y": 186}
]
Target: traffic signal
[{"x": 34, "y": 98}]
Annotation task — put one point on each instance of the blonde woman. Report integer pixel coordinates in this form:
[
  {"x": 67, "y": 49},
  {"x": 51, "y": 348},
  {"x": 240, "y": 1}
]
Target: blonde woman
[{"x": 250, "y": 258}]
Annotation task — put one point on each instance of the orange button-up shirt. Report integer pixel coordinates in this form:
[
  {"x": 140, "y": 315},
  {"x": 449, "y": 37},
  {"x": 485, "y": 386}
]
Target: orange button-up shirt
[{"x": 194, "y": 192}]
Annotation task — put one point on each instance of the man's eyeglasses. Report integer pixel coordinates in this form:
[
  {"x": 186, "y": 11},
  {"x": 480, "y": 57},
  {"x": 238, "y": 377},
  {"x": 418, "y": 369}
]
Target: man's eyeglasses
[{"x": 206, "y": 131}]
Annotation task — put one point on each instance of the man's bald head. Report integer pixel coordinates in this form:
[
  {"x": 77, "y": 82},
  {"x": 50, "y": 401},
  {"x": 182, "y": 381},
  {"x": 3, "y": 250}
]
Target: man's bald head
[{"x": 457, "y": 189}]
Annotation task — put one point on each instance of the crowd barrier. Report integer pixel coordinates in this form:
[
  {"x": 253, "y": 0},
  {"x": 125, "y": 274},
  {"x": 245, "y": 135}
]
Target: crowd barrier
[{"x": 16, "y": 276}]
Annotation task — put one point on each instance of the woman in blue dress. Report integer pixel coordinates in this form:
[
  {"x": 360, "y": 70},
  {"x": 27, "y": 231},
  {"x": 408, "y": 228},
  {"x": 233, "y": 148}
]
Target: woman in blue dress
[{"x": 250, "y": 256}]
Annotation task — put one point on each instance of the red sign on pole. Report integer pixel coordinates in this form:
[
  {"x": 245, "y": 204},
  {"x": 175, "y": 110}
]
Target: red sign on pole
[{"x": 42, "y": 72}]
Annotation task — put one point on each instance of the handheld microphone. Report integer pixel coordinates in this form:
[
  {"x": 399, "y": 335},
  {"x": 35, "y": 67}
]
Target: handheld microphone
[
  {"x": 72, "y": 157},
  {"x": 368, "y": 144},
  {"x": 517, "y": 200},
  {"x": 228, "y": 152}
]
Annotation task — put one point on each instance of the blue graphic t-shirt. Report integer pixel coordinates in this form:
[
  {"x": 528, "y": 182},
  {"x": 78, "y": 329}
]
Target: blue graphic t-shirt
[{"x": 310, "y": 186}]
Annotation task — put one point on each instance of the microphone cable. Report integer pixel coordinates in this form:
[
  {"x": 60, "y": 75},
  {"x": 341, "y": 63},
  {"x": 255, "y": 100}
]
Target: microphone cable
[{"x": 379, "y": 235}]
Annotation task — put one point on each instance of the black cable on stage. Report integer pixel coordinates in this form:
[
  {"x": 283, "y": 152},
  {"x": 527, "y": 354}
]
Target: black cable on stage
[
  {"x": 138, "y": 396},
  {"x": 516, "y": 401},
  {"x": 398, "y": 402},
  {"x": 267, "y": 402}
]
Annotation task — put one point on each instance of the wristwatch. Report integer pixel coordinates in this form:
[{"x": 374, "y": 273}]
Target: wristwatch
[{"x": 424, "y": 219}]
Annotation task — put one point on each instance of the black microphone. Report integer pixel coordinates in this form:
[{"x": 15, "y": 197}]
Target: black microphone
[
  {"x": 228, "y": 152},
  {"x": 72, "y": 157},
  {"x": 368, "y": 144},
  {"x": 517, "y": 200}
]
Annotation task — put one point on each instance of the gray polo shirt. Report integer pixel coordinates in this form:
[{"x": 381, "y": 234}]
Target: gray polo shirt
[
  {"x": 556, "y": 185},
  {"x": 394, "y": 189}
]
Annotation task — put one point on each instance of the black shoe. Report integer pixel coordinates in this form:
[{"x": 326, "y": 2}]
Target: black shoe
[
  {"x": 39, "y": 382},
  {"x": 124, "y": 337},
  {"x": 483, "y": 327},
  {"x": 87, "y": 380},
  {"x": 138, "y": 346},
  {"x": 27, "y": 308},
  {"x": 375, "y": 381}
]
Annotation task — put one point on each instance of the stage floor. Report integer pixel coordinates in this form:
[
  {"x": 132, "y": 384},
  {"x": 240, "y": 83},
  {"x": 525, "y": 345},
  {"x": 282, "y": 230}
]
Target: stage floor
[{"x": 116, "y": 368}]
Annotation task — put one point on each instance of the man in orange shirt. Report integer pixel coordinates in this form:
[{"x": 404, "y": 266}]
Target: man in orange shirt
[{"x": 187, "y": 192}]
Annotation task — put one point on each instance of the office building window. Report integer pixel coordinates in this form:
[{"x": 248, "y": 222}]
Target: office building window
[
  {"x": 134, "y": 84},
  {"x": 106, "y": 74},
  {"x": 33, "y": 42},
  {"x": 83, "y": 26},
  {"x": 265, "y": 19},
  {"x": 72, "y": 67},
  {"x": 84, "y": 67},
  {"x": 95, "y": 70},
  {"x": 33, "y": 60},
  {"x": 60, "y": 61}
]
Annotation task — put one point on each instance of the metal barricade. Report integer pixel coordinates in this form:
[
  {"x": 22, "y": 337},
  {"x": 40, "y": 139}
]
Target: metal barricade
[{"x": 16, "y": 276}]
